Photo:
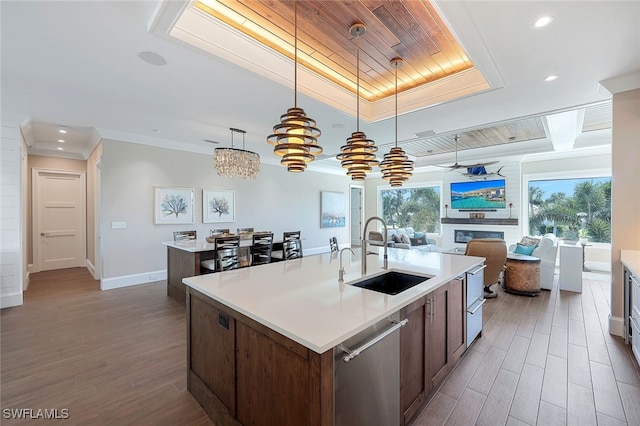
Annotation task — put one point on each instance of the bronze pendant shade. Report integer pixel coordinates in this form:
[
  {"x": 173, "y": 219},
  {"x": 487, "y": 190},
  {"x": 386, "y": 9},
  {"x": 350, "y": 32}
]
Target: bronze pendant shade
[
  {"x": 295, "y": 138},
  {"x": 396, "y": 166},
  {"x": 358, "y": 155}
]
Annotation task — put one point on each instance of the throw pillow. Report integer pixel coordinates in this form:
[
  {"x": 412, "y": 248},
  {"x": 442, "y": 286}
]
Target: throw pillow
[
  {"x": 419, "y": 234},
  {"x": 418, "y": 241},
  {"x": 396, "y": 239},
  {"x": 530, "y": 241},
  {"x": 520, "y": 249},
  {"x": 405, "y": 239}
]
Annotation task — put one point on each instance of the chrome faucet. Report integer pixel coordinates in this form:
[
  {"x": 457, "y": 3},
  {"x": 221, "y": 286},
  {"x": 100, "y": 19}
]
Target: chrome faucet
[
  {"x": 364, "y": 243},
  {"x": 341, "y": 270}
]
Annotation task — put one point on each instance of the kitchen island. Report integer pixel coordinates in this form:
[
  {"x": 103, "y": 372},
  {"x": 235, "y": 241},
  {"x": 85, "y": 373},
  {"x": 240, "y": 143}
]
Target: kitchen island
[{"x": 261, "y": 340}]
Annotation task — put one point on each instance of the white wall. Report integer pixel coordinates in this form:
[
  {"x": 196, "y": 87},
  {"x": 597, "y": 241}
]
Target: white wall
[
  {"x": 277, "y": 201},
  {"x": 11, "y": 225},
  {"x": 511, "y": 171},
  {"x": 512, "y": 233}
]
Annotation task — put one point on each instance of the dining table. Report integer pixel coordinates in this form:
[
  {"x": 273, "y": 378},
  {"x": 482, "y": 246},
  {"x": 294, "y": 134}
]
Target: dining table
[{"x": 184, "y": 258}]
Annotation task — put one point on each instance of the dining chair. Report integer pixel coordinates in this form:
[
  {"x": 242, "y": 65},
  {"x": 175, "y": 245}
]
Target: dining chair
[
  {"x": 277, "y": 255},
  {"x": 333, "y": 244},
  {"x": 228, "y": 259},
  {"x": 291, "y": 235},
  {"x": 222, "y": 231},
  {"x": 221, "y": 243},
  {"x": 184, "y": 235},
  {"x": 261, "y": 247},
  {"x": 292, "y": 249}
]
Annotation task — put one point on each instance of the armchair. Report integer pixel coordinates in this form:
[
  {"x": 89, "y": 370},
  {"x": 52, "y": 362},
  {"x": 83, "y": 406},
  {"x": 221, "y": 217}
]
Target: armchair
[{"x": 495, "y": 253}]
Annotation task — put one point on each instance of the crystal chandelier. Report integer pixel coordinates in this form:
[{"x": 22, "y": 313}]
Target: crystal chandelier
[
  {"x": 233, "y": 162},
  {"x": 396, "y": 166},
  {"x": 358, "y": 155},
  {"x": 295, "y": 139}
]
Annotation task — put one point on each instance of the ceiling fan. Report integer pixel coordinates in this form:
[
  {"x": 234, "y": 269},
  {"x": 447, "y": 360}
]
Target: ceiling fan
[{"x": 457, "y": 166}]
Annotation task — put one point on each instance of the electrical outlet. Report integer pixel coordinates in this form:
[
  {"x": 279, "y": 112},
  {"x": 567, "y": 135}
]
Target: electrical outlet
[{"x": 118, "y": 225}]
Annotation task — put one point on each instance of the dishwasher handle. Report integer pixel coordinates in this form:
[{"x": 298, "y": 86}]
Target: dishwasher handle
[
  {"x": 477, "y": 270},
  {"x": 351, "y": 354}
]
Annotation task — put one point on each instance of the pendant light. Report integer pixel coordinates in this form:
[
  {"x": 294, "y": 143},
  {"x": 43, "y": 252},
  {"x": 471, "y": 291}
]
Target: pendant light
[
  {"x": 233, "y": 162},
  {"x": 358, "y": 155},
  {"x": 295, "y": 139},
  {"x": 396, "y": 166}
]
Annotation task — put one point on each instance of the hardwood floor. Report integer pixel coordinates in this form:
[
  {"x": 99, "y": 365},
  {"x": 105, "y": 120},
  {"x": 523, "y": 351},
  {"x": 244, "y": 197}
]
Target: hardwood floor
[
  {"x": 119, "y": 357},
  {"x": 545, "y": 360},
  {"x": 113, "y": 357}
]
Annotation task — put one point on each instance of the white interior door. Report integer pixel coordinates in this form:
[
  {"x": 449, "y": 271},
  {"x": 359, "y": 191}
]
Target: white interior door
[
  {"x": 357, "y": 213},
  {"x": 58, "y": 219}
]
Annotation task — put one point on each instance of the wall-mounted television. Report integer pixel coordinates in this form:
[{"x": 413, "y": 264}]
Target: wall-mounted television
[{"x": 486, "y": 194}]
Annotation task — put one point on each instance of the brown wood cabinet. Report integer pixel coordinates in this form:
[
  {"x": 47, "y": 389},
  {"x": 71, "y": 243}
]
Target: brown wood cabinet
[
  {"x": 244, "y": 373},
  {"x": 182, "y": 264},
  {"x": 430, "y": 345}
]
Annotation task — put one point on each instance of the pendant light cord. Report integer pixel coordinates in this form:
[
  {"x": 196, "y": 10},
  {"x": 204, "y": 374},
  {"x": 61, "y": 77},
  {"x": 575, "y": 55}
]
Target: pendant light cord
[
  {"x": 295, "y": 54},
  {"x": 358, "y": 82},
  {"x": 397, "y": 105}
]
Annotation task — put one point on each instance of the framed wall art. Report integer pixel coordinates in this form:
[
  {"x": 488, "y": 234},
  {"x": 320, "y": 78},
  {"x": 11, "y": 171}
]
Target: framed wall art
[
  {"x": 333, "y": 209},
  {"x": 173, "y": 206},
  {"x": 218, "y": 205}
]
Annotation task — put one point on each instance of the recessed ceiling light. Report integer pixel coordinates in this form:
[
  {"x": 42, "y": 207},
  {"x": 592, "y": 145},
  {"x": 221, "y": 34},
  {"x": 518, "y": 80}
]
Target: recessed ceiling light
[
  {"x": 62, "y": 130},
  {"x": 61, "y": 140},
  {"x": 543, "y": 22},
  {"x": 60, "y": 148},
  {"x": 152, "y": 58},
  {"x": 550, "y": 77}
]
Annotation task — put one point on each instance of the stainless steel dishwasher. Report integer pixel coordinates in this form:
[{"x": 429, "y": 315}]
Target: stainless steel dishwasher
[{"x": 367, "y": 376}]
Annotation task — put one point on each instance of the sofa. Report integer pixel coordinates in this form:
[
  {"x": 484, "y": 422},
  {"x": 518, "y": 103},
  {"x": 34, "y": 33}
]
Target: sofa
[
  {"x": 407, "y": 238},
  {"x": 546, "y": 248}
]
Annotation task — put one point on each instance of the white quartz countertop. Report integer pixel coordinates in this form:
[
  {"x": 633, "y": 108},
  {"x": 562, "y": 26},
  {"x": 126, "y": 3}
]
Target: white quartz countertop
[
  {"x": 303, "y": 300},
  {"x": 631, "y": 259}
]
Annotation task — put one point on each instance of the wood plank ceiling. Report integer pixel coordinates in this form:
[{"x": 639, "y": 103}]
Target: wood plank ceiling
[
  {"x": 410, "y": 29},
  {"x": 503, "y": 133}
]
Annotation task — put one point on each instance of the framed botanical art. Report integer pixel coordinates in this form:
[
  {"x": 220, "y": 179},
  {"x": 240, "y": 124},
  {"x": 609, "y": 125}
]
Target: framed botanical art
[
  {"x": 173, "y": 206},
  {"x": 333, "y": 209},
  {"x": 218, "y": 205}
]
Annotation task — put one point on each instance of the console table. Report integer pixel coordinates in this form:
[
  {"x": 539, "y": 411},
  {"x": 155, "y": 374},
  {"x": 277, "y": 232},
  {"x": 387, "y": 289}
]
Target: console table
[{"x": 522, "y": 275}]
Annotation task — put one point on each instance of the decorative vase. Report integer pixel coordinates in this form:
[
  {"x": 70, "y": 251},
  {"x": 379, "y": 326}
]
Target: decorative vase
[{"x": 583, "y": 240}]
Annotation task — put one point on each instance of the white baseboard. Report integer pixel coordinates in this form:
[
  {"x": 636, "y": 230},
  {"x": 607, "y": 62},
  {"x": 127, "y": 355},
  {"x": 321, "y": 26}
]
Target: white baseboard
[
  {"x": 616, "y": 326},
  {"x": 316, "y": 250},
  {"x": 9, "y": 300},
  {"x": 129, "y": 280},
  {"x": 31, "y": 268},
  {"x": 27, "y": 277},
  {"x": 91, "y": 268}
]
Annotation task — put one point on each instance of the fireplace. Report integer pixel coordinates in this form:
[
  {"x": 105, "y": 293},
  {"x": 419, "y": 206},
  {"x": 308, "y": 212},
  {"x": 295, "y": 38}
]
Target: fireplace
[{"x": 463, "y": 236}]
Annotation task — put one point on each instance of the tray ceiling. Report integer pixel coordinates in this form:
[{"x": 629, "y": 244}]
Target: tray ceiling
[{"x": 411, "y": 29}]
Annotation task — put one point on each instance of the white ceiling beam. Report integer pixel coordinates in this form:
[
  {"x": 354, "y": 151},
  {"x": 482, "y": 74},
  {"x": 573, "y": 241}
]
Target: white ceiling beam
[{"x": 564, "y": 129}]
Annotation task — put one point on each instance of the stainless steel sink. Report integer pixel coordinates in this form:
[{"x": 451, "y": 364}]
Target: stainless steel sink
[{"x": 391, "y": 282}]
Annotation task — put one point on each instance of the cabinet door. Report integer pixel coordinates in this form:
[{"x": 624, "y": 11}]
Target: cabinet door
[
  {"x": 212, "y": 350},
  {"x": 456, "y": 320},
  {"x": 413, "y": 380},
  {"x": 437, "y": 360}
]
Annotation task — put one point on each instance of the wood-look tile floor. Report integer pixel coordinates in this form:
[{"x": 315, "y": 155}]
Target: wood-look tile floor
[
  {"x": 119, "y": 358},
  {"x": 545, "y": 360},
  {"x": 113, "y": 357}
]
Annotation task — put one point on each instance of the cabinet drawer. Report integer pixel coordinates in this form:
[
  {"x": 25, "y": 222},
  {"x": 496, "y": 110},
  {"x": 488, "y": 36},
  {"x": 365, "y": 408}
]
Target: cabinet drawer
[{"x": 635, "y": 339}]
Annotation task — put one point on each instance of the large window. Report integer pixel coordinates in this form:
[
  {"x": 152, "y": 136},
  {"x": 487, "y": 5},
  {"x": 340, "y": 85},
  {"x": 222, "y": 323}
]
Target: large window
[
  {"x": 417, "y": 207},
  {"x": 565, "y": 206}
]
